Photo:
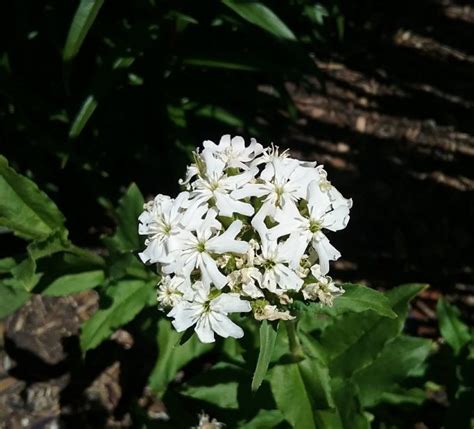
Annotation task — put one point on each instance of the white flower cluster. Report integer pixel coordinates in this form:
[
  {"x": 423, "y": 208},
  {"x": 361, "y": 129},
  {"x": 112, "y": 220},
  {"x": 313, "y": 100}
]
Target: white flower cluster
[{"x": 247, "y": 234}]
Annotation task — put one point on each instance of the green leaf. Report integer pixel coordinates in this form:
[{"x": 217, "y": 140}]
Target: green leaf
[
  {"x": 350, "y": 414},
  {"x": 217, "y": 386},
  {"x": 268, "y": 335},
  {"x": 172, "y": 356},
  {"x": 355, "y": 339},
  {"x": 453, "y": 330},
  {"x": 73, "y": 283},
  {"x": 396, "y": 362},
  {"x": 219, "y": 114},
  {"x": 84, "y": 17},
  {"x": 260, "y": 15},
  {"x": 317, "y": 380},
  {"x": 85, "y": 112},
  {"x": 6, "y": 265},
  {"x": 263, "y": 420},
  {"x": 24, "y": 209},
  {"x": 126, "y": 238},
  {"x": 288, "y": 390},
  {"x": 11, "y": 299},
  {"x": 25, "y": 272},
  {"x": 358, "y": 298},
  {"x": 220, "y": 64},
  {"x": 400, "y": 396},
  {"x": 120, "y": 304}
]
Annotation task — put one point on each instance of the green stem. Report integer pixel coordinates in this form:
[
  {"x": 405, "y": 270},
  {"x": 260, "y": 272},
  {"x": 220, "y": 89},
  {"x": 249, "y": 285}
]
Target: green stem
[{"x": 294, "y": 343}]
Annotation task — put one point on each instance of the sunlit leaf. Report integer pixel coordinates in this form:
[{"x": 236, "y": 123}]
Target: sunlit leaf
[
  {"x": 119, "y": 305},
  {"x": 268, "y": 335},
  {"x": 453, "y": 329},
  {"x": 11, "y": 299},
  {"x": 73, "y": 283},
  {"x": 355, "y": 339},
  {"x": 126, "y": 238},
  {"x": 358, "y": 298},
  {"x": 396, "y": 362},
  {"x": 172, "y": 356},
  {"x": 84, "y": 17},
  {"x": 261, "y": 16},
  {"x": 85, "y": 112},
  {"x": 24, "y": 208}
]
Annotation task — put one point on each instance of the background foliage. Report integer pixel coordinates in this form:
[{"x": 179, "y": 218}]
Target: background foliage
[{"x": 97, "y": 95}]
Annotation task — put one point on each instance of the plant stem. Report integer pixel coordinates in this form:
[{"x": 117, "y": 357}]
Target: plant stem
[{"x": 294, "y": 343}]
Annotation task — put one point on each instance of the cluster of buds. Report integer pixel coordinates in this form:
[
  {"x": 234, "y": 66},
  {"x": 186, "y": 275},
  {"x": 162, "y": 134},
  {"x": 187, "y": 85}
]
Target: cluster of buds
[{"x": 247, "y": 234}]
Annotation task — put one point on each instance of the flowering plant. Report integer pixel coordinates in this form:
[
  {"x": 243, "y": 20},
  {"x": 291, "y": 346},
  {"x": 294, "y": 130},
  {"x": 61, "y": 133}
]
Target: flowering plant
[{"x": 246, "y": 235}]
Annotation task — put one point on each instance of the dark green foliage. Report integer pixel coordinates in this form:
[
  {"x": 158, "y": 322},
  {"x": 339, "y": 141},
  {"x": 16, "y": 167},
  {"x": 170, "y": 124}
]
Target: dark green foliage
[{"x": 95, "y": 95}]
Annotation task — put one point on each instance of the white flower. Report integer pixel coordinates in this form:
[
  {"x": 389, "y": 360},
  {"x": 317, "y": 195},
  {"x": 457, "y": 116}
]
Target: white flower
[
  {"x": 171, "y": 291},
  {"x": 246, "y": 235},
  {"x": 194, "y": 249},
  {"x": 209, "y": 314},
  {"x": 323, "y": 289},
  {"x": 304, "y": 229},
  {"x": 277, "y": 276},
  {"x": 247, "y": 278},
  {"x": 282, "y": 186},
  {"x": 163, "y": 219},
  {"x": 271, "y": 312},
  {"x": 215, "y": 184},
  {"x": 205, "y": 422},
  {"x": 233, "y": 152}
]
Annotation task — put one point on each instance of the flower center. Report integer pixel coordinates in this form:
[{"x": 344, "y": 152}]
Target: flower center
[
  {"x": 201, "y": 247},
  {"x": 214, "y": 185},
  {"x": 315, "y": 226},
  {"x": 268, "y": 264}
]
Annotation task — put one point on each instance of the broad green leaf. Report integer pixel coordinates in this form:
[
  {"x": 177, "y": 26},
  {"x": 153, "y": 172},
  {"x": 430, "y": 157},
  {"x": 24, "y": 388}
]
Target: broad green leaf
[
  {"x": 316, "y": 377},
  {"x": 11, "y": 299},
  {"x": 172, "y": 356},
  {"x": 358, "y": 298},
  {"x": 454, "y": 331},
  {"x": 265, "y": 419},
  {"x": 350, "y": 414},
  {"x": 6, "y": 265},
  {"x": 84, "y": 17},
  {"x": 25, "y": 271},
  {"x": 220, "y": 394},
  {"x": 306, "y": 384},
  {"x": 122, "y": 302},
  {"x": 291, "y": 396},
  {"x": 127, "y": 264},
  {"x": 85, "y": 112},
  {"x": 268, "y": 335},
  {"x": 218, "y": 386},
  {"x": 261, "y": 16},
  {"x": 24, "y": 208},
  {"x": 126, "y": 238},
  {"x": 355, "y": 339},
  {"x": 73, "y": 283},
  {"x": 396, "y": 362}
]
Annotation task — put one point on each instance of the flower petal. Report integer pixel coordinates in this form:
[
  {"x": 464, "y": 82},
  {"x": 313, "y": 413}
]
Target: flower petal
[
  {"x": 210, "y": 271},
  {"x": 204, "y": 330},
  {"x": 326, "y": 252},
  {"x": 230, "y": 303},
  {"x": 224, "y": 327}
]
